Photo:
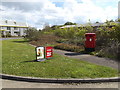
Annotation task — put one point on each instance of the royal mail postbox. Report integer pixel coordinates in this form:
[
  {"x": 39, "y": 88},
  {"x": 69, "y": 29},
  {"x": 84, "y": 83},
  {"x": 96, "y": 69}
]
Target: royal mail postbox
[
  {"x": 90, "y": 42},
  {"x": 49, "y": 52}
]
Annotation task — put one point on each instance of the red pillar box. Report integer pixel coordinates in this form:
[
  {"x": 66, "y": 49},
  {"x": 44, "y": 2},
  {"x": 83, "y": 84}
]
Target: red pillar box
[
  {"x": 90, "y": 42},
  {"x": 49, "y": 52}
]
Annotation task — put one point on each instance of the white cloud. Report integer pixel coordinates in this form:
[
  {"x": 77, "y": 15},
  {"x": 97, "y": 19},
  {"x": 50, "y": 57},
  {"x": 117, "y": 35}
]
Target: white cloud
[
  {"x": 103, "y": 1},
  {"x": 37, "y": 14}
]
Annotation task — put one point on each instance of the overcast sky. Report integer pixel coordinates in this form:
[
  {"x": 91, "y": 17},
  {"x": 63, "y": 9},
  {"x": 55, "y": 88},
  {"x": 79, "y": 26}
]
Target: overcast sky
[{"x": 55, "y": 12}]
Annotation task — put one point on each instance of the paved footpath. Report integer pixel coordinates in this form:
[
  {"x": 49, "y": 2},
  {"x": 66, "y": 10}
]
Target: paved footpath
[
  {"x": 21, "y": 84},
  {"x": 10, "y": 38},
  {"x": 89, "y": 58}
]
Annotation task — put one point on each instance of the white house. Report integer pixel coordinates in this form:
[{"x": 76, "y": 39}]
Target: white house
[
  {"x": 94, "y": 25},
  {"x": 12, "y": 28},
  {"x": 119, "y": 10}
]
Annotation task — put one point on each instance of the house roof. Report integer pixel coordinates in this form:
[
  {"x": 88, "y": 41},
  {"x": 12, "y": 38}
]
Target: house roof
[
  {"x": 11, "y": 23},
  {"x": 84, "y": 25}
]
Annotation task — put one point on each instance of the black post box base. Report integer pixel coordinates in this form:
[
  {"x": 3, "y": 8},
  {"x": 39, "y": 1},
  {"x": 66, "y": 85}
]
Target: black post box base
[{"x": 89, "y": 49}]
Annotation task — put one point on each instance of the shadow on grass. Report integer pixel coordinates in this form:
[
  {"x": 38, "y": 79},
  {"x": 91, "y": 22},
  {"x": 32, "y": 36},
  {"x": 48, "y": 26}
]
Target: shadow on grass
[
  {"x": 75, "y": 54},
  {"x": 29, "y": 61},
  {"x": 20, "y": 41}
]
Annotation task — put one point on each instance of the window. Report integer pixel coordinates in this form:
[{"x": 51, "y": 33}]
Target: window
[
  {"x": 8, "y": 28},
  {"x": 3, "y": 27},
  {"x": 15, "y": 28}
]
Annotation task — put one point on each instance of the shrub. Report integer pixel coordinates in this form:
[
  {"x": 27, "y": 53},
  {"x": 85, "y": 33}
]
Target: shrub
[
  {"x": 62, "y": 40},
  {"x": 117, "y": 32},
  {"x": 70, "y": 23},
  {"x": 32, "y": 34},
  {"x": 116, "y": 36},
  {"x": 110, "y": 51},
  {"x": 45, "y": 39},
  {"x": 68, "y": 47},
  {"x": 8, "y": 34},
  {"x": 108, "y": 42},
  {"x": 73, "y": 35}
]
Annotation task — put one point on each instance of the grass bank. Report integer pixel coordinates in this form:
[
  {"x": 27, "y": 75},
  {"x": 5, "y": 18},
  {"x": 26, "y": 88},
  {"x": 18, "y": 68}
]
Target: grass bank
[{"x": 18, "y": 59}]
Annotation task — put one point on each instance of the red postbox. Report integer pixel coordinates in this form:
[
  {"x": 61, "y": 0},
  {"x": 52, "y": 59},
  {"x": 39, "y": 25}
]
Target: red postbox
[
  {"x": 90, "y": 42},
  {"x": 49, "y": 52}
]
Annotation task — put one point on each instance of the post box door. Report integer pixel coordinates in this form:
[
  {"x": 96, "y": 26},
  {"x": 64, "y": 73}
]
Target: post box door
[{"x": 90, "y": 41}]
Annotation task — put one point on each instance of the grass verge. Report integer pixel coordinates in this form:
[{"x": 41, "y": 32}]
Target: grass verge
[{"x": 18, "y": 59}]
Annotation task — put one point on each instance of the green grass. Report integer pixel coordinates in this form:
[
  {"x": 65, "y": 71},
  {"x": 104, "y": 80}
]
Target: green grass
[{"x": 18, "y": 59}]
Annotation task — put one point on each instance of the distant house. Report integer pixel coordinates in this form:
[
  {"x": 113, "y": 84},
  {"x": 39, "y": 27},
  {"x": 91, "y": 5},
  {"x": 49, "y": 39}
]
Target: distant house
[
  {"x": 12, "y": 28},
  {"x": 94, "y": 25},
  {"x": 119, "y": 10}
]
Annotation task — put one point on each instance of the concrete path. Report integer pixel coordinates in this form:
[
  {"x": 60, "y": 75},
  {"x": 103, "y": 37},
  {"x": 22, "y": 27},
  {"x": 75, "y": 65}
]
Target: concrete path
[
  {"x": 21, "y": 84},
  {"x": 11, "y": 38},
  {"x": 89, "y": 58}
]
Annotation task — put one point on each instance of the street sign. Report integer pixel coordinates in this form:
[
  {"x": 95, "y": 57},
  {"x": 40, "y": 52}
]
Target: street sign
[
  {"x": 49, "y": 52},
  {"x": 40, "y": 55},
  {"x": 43, "y": 53}
]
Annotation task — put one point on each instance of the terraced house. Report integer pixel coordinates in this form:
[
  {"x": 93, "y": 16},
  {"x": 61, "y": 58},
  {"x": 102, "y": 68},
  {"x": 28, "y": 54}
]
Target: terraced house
[{"x": 12, "y": 28}]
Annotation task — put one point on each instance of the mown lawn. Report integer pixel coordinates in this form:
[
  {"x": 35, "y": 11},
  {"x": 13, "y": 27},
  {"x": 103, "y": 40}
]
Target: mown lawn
[{"x": 18, "y": 59}]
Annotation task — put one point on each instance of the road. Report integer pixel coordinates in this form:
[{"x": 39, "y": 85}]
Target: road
[{"x": 22, "y": 84}]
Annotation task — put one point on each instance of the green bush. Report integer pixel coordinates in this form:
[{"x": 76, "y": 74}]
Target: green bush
[
  {"x": 32, "y": 34},
  {"x": 117, "y": 36},
  {"x": 110, "y": 51},
  {"x": 69, "y": 47},
  {"x": 45, "y": 40},
  {"x": 117, "y": 32},
  {"x": 73, "y": 35},
  {"x": 108, "y": 41},
  {"x": 8, "y": 34},
  {"x": 62, "y": 40},
  {"x": 70, "y": 23}
]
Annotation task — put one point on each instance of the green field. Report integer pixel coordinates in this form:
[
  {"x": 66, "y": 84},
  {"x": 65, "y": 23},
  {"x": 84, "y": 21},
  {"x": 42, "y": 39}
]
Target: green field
[{"x": 18, "y": 58}]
